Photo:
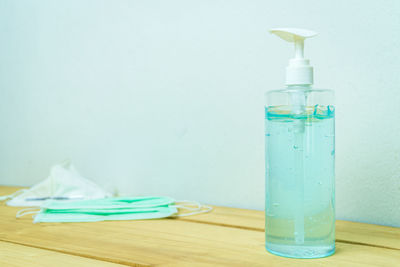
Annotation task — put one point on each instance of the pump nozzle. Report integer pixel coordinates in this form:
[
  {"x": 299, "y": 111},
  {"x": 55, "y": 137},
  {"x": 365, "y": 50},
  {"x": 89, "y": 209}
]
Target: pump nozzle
[{"x": 299, "y": 71}]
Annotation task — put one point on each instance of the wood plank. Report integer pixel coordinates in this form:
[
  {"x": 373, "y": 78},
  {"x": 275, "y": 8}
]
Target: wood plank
[
  {"x": 14, "y": 255},
  {"x": 170, "y": 242},
  {"x": 202, "y": 241},
  {"x": 346, "y": 232}
]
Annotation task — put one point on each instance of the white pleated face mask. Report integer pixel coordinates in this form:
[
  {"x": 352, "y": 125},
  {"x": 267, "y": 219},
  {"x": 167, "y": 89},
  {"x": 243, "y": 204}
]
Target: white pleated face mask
[
  {"x": 65, "y": 196},
  {"x": 63, "y": 183}
]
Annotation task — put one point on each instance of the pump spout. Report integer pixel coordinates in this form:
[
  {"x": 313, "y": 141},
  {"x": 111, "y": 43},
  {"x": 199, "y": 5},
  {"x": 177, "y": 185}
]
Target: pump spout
[
  {"x": 299, "y": 71},
  {"x": 293, "y": 34}
]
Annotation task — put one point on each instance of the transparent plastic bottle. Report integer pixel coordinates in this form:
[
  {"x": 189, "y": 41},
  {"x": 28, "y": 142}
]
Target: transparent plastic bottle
[{"x": 300, "y": 172}]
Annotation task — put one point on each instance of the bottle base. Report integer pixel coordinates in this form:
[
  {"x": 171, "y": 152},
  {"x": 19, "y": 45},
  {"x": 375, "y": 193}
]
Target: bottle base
[{"x": 300, "y": 252}]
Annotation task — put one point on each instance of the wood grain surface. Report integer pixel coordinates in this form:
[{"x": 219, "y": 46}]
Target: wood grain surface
[
  {"x": 18, "y": 255},
  {"x": 224, "y": 237}
]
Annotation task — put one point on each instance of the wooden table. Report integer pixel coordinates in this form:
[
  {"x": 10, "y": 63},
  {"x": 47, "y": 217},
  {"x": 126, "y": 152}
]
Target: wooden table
[{"x": 224, "y": 237}]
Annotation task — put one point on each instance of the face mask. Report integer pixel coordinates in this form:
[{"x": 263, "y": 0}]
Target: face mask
[
  {"x": 64, "y": 182},
  {"x": 112, "y": 209}
]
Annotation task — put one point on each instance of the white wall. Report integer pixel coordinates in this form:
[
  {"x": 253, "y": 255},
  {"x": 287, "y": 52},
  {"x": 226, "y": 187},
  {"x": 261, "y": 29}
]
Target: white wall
[{"x": 166, "y": 97}]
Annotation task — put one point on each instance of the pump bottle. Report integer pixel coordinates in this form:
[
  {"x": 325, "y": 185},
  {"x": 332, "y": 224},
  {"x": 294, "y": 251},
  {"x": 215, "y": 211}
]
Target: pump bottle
[{"x": 299, "y": 160}]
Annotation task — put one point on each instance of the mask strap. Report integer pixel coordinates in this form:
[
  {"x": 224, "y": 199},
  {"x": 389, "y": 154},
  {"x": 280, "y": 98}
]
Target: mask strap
[
  {"x": 188, "y": 205},
  {"x": 13, "y": 194},
  {"x": 27, "y": 211}
]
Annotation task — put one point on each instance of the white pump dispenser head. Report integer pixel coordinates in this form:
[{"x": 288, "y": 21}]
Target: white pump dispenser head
[{"x": 299, "y": 71}]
